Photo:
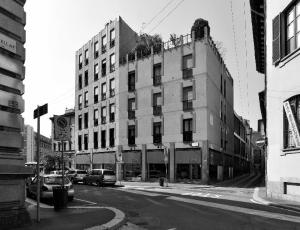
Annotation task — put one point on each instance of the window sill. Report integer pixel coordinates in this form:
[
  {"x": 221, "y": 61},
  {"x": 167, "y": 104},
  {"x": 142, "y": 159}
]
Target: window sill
[
  {"x": 286, "y": 59},
  {"x": 290, "y": 151}
]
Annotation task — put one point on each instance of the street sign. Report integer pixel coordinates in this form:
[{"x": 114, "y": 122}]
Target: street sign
[
  {"x": 40, "y": 111},
  {"x": 260, "y": 142},
  {"x": 62, "y": 128}
]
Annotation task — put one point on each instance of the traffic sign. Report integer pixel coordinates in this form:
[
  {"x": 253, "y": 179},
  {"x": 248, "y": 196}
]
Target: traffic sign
[
  {"x": 260, "y": 142},
  {"x": 62, "y": 128},
  {"x": 40, "y": 111}
]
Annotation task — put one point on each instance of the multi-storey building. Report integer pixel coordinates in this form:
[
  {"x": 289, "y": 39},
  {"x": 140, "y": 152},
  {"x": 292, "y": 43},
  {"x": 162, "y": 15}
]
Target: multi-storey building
[
  {"x": 12, "y": 73},
  {"x": 167, "y": 111},
  {"x": 66, "y": 146},
  {"x": 277, "y": 27}
]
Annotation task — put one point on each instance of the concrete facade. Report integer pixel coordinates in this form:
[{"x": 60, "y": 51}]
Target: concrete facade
[{"x": 12, "y": 73}]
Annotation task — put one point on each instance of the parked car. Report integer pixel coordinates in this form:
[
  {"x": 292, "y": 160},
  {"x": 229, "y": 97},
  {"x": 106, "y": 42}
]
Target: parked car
[
  {"x": 47, "y": 183},
  {"x": 100, "y": 177},
  {"x": 56, "y": 172},
  {"x": 78, "y": 176}
]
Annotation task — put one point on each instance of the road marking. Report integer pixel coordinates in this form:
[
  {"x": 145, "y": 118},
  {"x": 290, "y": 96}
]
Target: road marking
[
  {"x": 140, "y": 192},
  {"x": 33, "y": 202},
  {"x": 255, "y": 201},
  {"x": 247, "y": 211},
  {"x": 201, "y": 194},
  {"x": 89, "y": 202}
]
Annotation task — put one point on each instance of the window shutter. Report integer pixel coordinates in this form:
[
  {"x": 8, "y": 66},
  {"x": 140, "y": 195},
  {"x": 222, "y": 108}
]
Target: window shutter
[
  {"x": 276, "y": 40},
  {"x": 136, "y": 128},
  {"x": 152, "y": 127},
  {"x": 181, "y": 123},
  {"x": 194, "y": 89},
  {"x": 194, "y": 122}
]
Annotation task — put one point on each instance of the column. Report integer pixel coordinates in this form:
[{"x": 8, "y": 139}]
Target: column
[
  {"x": 144, "y": 162},
  {"x": 172, "y": 162},
  {"x": 205, "y": 162}
]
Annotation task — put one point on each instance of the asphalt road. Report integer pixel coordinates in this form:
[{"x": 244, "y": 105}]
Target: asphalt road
[{"x": 163, "y": 210}]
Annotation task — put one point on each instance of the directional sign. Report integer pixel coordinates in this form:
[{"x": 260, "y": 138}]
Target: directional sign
[
  {"x": 62, "y": 128},
  {"x": 40, "y": 111}
]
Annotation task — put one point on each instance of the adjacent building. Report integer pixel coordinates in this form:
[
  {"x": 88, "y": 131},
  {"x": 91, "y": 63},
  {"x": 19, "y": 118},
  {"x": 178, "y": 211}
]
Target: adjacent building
[{"x": 12, "y": 73}]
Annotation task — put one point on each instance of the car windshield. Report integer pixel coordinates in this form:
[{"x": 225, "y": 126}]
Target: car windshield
[
  {"x": 109, "y": 173},
  {"x": 55, "y": 180}
]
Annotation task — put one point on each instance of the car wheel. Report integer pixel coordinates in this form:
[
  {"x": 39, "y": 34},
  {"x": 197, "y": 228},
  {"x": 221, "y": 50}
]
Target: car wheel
[{"x": 70, "y": 198}]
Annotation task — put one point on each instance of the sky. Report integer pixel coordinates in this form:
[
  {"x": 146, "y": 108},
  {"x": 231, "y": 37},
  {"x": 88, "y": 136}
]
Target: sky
[{"x": 55, "y": 29}]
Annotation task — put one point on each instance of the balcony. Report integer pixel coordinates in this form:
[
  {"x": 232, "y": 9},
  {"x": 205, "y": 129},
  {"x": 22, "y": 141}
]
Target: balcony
[
  {"x": 131, "y": 87},
  {"x": 157, "y": 110},
  {"x": 157, "y": 138},
  {"x": 157, "y": 80},
  {"x": 187, "y": 136},
  {"x": 187, "y": 73},
  {"x": 112, "y": 43},
  {"x": 103, "y": 96},
  {"x": 103, "y": 120},
  {"x": 112, "y": 92},
  {"x": 187, "y": 105},
  {"x": 103, "y": 49},
  {"x": 131, "y": 140},
  {"x": 131, "y": 115}
]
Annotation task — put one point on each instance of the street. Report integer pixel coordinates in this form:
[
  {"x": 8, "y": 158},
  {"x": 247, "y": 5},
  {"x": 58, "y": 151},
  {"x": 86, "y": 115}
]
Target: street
[{"x": 179, "y": 208}]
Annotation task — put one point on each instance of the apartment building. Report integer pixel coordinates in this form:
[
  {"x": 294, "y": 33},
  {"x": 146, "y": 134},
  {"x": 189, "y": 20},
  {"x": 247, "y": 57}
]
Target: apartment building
[
  {"x": 67, "y": 146},
  {"x": 281, "y": 36},
  {"x": 12, "y": 73},
  {"x": 169, "y": 112}
]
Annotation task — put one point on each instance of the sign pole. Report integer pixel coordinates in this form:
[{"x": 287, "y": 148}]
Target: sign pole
[
  {"x": 63, "y": 165},
  {"x": 38, "y": 167}
]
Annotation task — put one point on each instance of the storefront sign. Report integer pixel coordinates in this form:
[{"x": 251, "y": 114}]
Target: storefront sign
[
  {"x": 61, "y": 128},
  {"x": 8, "y": 43},
  {"x": 292, "y": 122}
]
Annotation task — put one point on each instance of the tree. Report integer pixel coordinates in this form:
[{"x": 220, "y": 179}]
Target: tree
[
  {"x": 146, "y": 41},
  {"x": 198, "y": 28},
  {"x": 50, "y": 162},
  {"x": 175, "y": 40}
]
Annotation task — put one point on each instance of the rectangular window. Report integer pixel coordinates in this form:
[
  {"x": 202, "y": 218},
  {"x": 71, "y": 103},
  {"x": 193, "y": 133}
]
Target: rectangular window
[
  {"x": 131, "y": 81},
  {"x": 79, "y": 101},
  {"x": 103, "y": 67},
  {"x": 157, "y": 74},
  {"x": 96, "y": 72},
  {"x": 187, "y": 66},
  {"x": 157, "y": 104},
  {"x": 80, "y": 61},
  {"x": 86, "y": 141},
  {"x": 80, "y": 81},
  {"x": 112, "y": 112},
  {"x": 111, "y": 137},
  {"x": 112, "y": 61},
  {"x": 157, "y": 132},
  {"x": 95, "y": 140},
  {"x": 103, "y": 44},
  {"x": 112, "y": 87},
  {"x": 96, "y": 49},
  {"x": 112, "y": 38},
  {"x": 187, "y": 99},
  {"x": 79, "y": 143},
  {"x": 86, "y": 98},
  {"x": 96, "y": 117},
  {"x": 54, "y": 146},
  {"x": 70, "y": 145},
  {"x": 86, "y": 78},
  {"x": 80, "y": 122},
  {"x": 65, "y": 146},
  {"x": 86, "y": 56},
  {"x": 103, "y": 91},
  {"x": 96, "y": 94},
  {"x": 131, "y": 108},
  {"x": 86, "y": 120},
  {"x": 103, "y": 138},
  {"x": 131, "y": 135},
  {"x": 187, "y": 130},
  {"x": 59, "y": 146},
  {"x": 103, "y": 115}
]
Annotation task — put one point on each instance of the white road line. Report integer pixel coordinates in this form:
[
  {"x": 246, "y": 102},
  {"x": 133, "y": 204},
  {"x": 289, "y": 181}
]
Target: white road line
[
  {"x": 89, "y": 202},
  {"x": 140, "y": 192},
  {"x": 255, "y": 201},
  {"x": 247, "y": 211},
  {"x": 33, "y": 202}
]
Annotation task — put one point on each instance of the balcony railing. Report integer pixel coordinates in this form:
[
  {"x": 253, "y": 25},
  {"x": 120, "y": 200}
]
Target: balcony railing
[
  {"x": 157, "y": 80},
  {"x": 131, "y": 114},
  {"x": 131, "y": 87},
  {"x": 131, "y": 140},
  {"x": 187, "y": 105},
  {"x": 187, "y": 136},
  {"x": 103, "y": 49},
  {"x": 157, "y": 110},
  {"x": 157, "y": 138},
  {"x": 112, "y": 43},
  {"x": 187, "y": 73}
]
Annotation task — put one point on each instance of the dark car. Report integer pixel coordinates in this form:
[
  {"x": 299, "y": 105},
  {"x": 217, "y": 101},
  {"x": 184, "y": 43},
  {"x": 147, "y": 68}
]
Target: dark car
[
  {"x": 78, "y": 176},
  {"x": 100, "y": 177}
]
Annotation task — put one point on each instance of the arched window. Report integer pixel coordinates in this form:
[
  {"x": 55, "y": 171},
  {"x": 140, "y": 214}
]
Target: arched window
[{"x": 288, "y": 138}]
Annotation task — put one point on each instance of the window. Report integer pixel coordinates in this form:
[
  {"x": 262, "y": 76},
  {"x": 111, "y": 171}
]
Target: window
[
  {"x": 96, "y": 72},
  {"x": 65, "y": 146},
  {"x": 54, "y": 146},
  {"x": 131, "y": 81},
  {"x": 112, "y": 112},
  {"x": 187, "y": 66},
  {"x": 103, "y": 115},
  {"x": 112, "y": 38},
  {"x": 96, "y": 117},
  {"x": 103, "y": 138},
  {"x": 288, "y": 139},
  {"x": 86, "y": 120},
  {"x": 157, "y": 132},
  {"x": 103, "y": 67},
  {"x": 86, "y": 98},
  {"x": 70, "y": 145},
  {"x": 131, "y": 108},
  {"x": 80, "y": 81},
  {"x": 112, "y": 61},
  {"x": 79, "y": 143},
  {"x": 96, "y": 49},
  {"x": 80, "y": 122},
  {"x": 187, "y": 130},
  {"x": 103, "y": 44},
  {"x": 157, "y": 104},
  {"x": 79, "y": 101},
  {"x": 95, "y": 140},
  {"x": 86, "y": 141},
  {"x": 293, "y": 28},
  {"x": 157, "y": 74},
  {"x": 111, "y": 137},
  {"x": 131, "y": 135},
  {"x": 86, "y": 78},
  {"x": 96, "y": 94},
  {"x": 187, "y": 98},
  {"x": 59, "y": 146},
  {"x": 80, "y": 61},
  {"x": 112, "y": 87},
  {"x": 86, "y": 56},
  {"x": 103, "y": 91}
]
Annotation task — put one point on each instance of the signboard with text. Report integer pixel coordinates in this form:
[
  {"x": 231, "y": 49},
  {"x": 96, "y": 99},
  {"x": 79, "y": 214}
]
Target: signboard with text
[
  {"x": 62, "y": 128},
  {"x": 292, "y": 123}
]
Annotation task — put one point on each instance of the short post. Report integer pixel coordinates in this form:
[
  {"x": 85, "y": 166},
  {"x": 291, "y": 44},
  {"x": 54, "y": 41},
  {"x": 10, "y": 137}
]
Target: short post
[{"x": 63, "y": 165}]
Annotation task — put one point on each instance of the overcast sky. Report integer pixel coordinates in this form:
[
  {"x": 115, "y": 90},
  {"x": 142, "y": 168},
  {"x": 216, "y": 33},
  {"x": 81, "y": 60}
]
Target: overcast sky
[{"x": 55, "y": 29}]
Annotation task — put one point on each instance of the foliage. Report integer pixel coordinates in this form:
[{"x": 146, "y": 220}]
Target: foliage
[
  {"x": 174, "y": 40},
  {"x": 198, "y": 28},
  {"x": 146, "y": 41},
  {"x": 50, "y": 162}
]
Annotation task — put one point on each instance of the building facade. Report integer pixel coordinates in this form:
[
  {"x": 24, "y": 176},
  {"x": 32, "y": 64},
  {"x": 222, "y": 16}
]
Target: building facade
[
  {"x": 165, "y": 112},
  {"x": 67, "y": 146},
  {"x": 12, "y": 73}
]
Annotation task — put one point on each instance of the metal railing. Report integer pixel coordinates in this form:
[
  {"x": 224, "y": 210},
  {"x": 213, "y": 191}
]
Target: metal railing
[{"x": 187, "y": 105}]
